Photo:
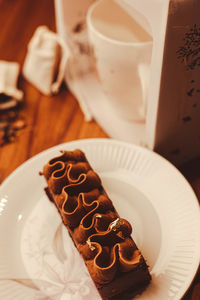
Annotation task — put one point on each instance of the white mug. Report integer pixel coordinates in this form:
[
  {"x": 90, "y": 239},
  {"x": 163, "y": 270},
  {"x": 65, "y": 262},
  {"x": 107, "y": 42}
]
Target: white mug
[{"x": 122, "y": 50}]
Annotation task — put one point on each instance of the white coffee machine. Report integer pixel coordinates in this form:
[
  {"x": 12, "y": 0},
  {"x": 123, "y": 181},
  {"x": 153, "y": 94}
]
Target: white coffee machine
[{"x": 172, "y": 120}]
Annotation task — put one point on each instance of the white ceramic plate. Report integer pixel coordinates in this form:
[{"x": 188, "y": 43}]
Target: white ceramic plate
[{"x": 38, "y": 259}]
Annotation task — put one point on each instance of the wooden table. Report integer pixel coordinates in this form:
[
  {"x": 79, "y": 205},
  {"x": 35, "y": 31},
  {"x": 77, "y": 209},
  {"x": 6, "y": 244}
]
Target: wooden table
[{"x": 51, "y": 120}]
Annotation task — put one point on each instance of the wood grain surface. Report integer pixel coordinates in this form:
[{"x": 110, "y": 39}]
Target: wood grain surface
[{"x": 51, "y": 120}]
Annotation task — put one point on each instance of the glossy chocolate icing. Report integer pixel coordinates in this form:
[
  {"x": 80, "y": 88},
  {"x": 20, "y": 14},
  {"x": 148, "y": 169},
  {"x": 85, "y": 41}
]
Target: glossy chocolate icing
[{"x": 101, "y": 236}]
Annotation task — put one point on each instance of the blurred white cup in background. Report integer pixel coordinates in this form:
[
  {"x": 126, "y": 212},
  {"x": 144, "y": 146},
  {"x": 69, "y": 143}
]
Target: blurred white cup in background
[{"x": 122, "y": 50}]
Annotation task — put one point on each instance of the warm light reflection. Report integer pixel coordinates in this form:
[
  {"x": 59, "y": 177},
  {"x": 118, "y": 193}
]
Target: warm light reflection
[
  {"x": 19, "y": 218},
  {"x": 2, "y": 204},
  {"x": 3, "y": 200}
]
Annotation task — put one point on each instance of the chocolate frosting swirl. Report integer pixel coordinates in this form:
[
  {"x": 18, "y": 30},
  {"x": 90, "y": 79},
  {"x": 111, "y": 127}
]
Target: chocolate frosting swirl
[{"x": 101, "y": 236}]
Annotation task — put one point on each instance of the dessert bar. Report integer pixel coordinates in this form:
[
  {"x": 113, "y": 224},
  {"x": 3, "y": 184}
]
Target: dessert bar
[{"x": 103, "y": 239}]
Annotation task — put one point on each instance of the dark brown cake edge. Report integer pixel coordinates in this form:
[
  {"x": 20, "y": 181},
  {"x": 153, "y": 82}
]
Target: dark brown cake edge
[{"x": 134, "y": 283}]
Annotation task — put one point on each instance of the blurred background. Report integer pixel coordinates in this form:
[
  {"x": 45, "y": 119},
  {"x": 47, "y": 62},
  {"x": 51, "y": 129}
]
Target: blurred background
[{"x": 49, "y": 120}]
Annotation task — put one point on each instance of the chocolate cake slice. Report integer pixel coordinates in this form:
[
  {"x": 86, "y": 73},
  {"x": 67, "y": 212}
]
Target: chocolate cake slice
[{"x": 103, "y": 239}]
